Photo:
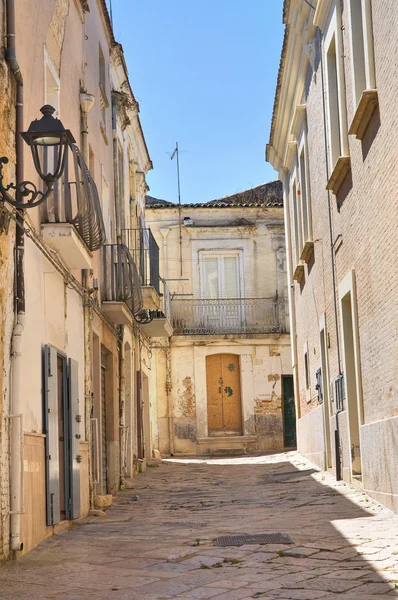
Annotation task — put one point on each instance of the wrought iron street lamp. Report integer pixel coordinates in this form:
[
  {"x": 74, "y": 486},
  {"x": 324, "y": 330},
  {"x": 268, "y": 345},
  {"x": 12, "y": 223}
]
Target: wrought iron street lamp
[{"x": 47, "y": 132}]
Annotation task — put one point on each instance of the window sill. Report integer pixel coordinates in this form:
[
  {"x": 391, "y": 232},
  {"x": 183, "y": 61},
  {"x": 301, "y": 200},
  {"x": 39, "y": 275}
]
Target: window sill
[
  {"x": 298, "y": 273},
  {"x": 339, "y": 173},
  {"x": 365, "y": 109},
  {"x": 308, "y": 251}
]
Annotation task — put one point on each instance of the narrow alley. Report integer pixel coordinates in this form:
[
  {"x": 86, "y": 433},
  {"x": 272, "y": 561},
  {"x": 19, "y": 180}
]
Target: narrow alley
[{"x": 158, "y": 540}]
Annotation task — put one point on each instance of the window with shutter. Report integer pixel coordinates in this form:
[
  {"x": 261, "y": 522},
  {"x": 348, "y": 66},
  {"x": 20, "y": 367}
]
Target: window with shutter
[
  {"x": 50, "y": 429},
  {"x": 75, "y": 436}
]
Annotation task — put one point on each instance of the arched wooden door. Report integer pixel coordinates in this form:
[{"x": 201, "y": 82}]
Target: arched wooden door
[{"x": 224, "y": 410}]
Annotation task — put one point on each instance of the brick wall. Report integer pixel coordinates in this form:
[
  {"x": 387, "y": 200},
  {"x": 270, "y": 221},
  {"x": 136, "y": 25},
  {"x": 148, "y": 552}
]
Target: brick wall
[{"x": 365, "y": 216}]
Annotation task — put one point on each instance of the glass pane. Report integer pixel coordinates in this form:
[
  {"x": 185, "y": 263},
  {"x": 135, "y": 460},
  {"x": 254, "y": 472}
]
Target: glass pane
[
  {"x": 211, "y": 278},
  {"x": 231, "y": 282}
]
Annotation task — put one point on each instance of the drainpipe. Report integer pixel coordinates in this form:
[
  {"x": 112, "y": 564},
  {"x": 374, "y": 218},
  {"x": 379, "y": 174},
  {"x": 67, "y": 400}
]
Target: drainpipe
[
  {"x": 86, "y": 103},
  {"x": 118, "y": 214},
  {"x": 17, "y": 440},
  {"x": 122, "y": 407},
  {"x": 116, "y": 183},
  {"x": 339, "y": 476},
  {"x": 292, "y": 310},
  {"x": 169, "y": 400}
]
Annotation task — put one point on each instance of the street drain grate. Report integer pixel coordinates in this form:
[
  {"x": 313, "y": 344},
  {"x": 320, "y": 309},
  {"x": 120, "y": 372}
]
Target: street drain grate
[{"x": 260, "y": 538}]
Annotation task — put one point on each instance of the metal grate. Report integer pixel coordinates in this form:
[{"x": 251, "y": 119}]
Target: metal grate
[{"x": 260, "y": 538}]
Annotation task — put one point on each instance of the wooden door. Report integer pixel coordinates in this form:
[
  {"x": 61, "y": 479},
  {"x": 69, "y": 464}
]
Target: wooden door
[{"x": 224, "y": 411}]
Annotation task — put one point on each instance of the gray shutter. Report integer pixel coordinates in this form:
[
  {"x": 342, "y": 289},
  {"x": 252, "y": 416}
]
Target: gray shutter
[
  {"x": 75, "y": 435},
  {"x": 50, "y": 398},
  {"x": 319, "y": 385}
]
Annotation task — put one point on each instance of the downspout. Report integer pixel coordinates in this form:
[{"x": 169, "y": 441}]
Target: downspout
[
  {"x": 338, "y": 410},
  {"x": 292, "y": 309},
  {"x": 86, "y": 102},
  {"x": 116, "y": 186},
  {"x": 168, "y": 384},
  {"x": 122, "y": 408},
  {"x": 118, "y": 209},
  {"x": 169, "y": 400},
  {"x": 16, "y": 447}
]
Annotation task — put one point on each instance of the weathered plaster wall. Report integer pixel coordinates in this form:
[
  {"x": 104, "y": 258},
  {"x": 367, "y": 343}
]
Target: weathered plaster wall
[
  {"x": 257, "y": 235},
  {"x": 261, "y": 369}
]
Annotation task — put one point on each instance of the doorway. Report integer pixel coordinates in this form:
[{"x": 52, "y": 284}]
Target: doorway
[
  {"x": 138, "y": 411},
  {"x": 62, "y": 437},
  {"x": 325, "y": 399},
  {"x": 289, "y": 412},
  {"x": 146, "y": 417},
  {"x": 104, "y": 444},
  {"x": 224, "y": 410},
  {"x": 352, "y": 382},
  {"x": 61, "y": 428}
]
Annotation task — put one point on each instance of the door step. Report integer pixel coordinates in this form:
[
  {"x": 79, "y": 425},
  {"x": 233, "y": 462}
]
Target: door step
[{"x": 242, "y": 443}]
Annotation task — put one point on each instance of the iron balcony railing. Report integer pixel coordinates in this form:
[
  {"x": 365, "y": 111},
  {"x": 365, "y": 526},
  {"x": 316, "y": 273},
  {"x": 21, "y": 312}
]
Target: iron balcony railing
[
  {"x": 204, "y": 316},
  {"x": 145, "y": 252},
  {"x": 120, "y": 280},
  {"x": 75, "y": 199}
]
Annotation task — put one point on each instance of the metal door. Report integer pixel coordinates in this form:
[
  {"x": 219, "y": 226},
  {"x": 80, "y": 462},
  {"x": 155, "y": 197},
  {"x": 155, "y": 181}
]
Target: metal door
[
  {"x": 104, "y": 453},
  {"x": 224, "y": 411},
  {"x": 289, "y": 412}
]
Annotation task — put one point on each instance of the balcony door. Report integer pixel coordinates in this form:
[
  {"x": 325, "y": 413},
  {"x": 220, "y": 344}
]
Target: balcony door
[{"x": 221, "y": 283}]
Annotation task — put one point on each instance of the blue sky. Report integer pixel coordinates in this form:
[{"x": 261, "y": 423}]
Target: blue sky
[{"x": 204, "y": 73}]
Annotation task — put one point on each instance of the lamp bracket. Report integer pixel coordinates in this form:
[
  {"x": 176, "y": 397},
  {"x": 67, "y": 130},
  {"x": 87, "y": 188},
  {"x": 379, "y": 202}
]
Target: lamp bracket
[{"x": 26, "y": 194}]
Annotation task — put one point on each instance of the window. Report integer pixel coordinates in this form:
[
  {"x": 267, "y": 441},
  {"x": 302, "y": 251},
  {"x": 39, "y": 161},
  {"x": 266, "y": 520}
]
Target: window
[
  {"x": 120, "y": 163},
  {"x": 339, "y": 158},
  {"x": 363, "y": 69},
  {"x": 304, "y": 198},
  {"x": 51, "y": 84},
  {"x": 220, "y": 278},
  {"x": 104, "y": 103},
  {"x": 221, "y": 307},
  {"x": 333, "y": 103},
  {"x": 106, "y": 209},
  {"x": 298, "y": 243},
  {"x": 307, "y": 370},
  {"x": 361, "y": 48},
  {"x": 101, "y": 69}
]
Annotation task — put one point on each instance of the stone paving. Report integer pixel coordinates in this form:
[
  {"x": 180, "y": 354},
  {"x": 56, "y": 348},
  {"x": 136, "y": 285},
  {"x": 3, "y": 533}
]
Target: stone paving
[{"x": 162, "y": 545}]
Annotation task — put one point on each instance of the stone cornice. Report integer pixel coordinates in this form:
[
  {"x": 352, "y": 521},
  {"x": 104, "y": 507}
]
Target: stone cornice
[
  {"x": 291, "y": 80},
  {"x": 322, "y": 13}
]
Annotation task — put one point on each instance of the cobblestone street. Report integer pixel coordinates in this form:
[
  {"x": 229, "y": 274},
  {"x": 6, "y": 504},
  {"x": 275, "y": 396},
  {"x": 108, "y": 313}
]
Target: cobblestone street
[{"x": 162, "y": 545}]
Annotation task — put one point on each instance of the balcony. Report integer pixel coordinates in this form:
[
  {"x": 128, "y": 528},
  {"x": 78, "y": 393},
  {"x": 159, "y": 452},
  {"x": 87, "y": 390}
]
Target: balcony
[
  {"x": 161, "y": 320},
  {"x": 71, "y": 217},
  {"x": 221, "y": 316},
  {"x": 145, "y": 252},
  {"x": 120, "y": 290}
]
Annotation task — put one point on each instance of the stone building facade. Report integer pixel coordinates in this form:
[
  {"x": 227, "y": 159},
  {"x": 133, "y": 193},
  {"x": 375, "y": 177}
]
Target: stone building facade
[
  {"x": 74, "y": 399},
  {"x": 223, "y": 378},
  {"x": 332, "y": 143}
]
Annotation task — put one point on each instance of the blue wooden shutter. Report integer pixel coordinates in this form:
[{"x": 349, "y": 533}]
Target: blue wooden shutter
[
  {"x": 75, "y": 436},
  {"x": 50, "y": 418}
]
